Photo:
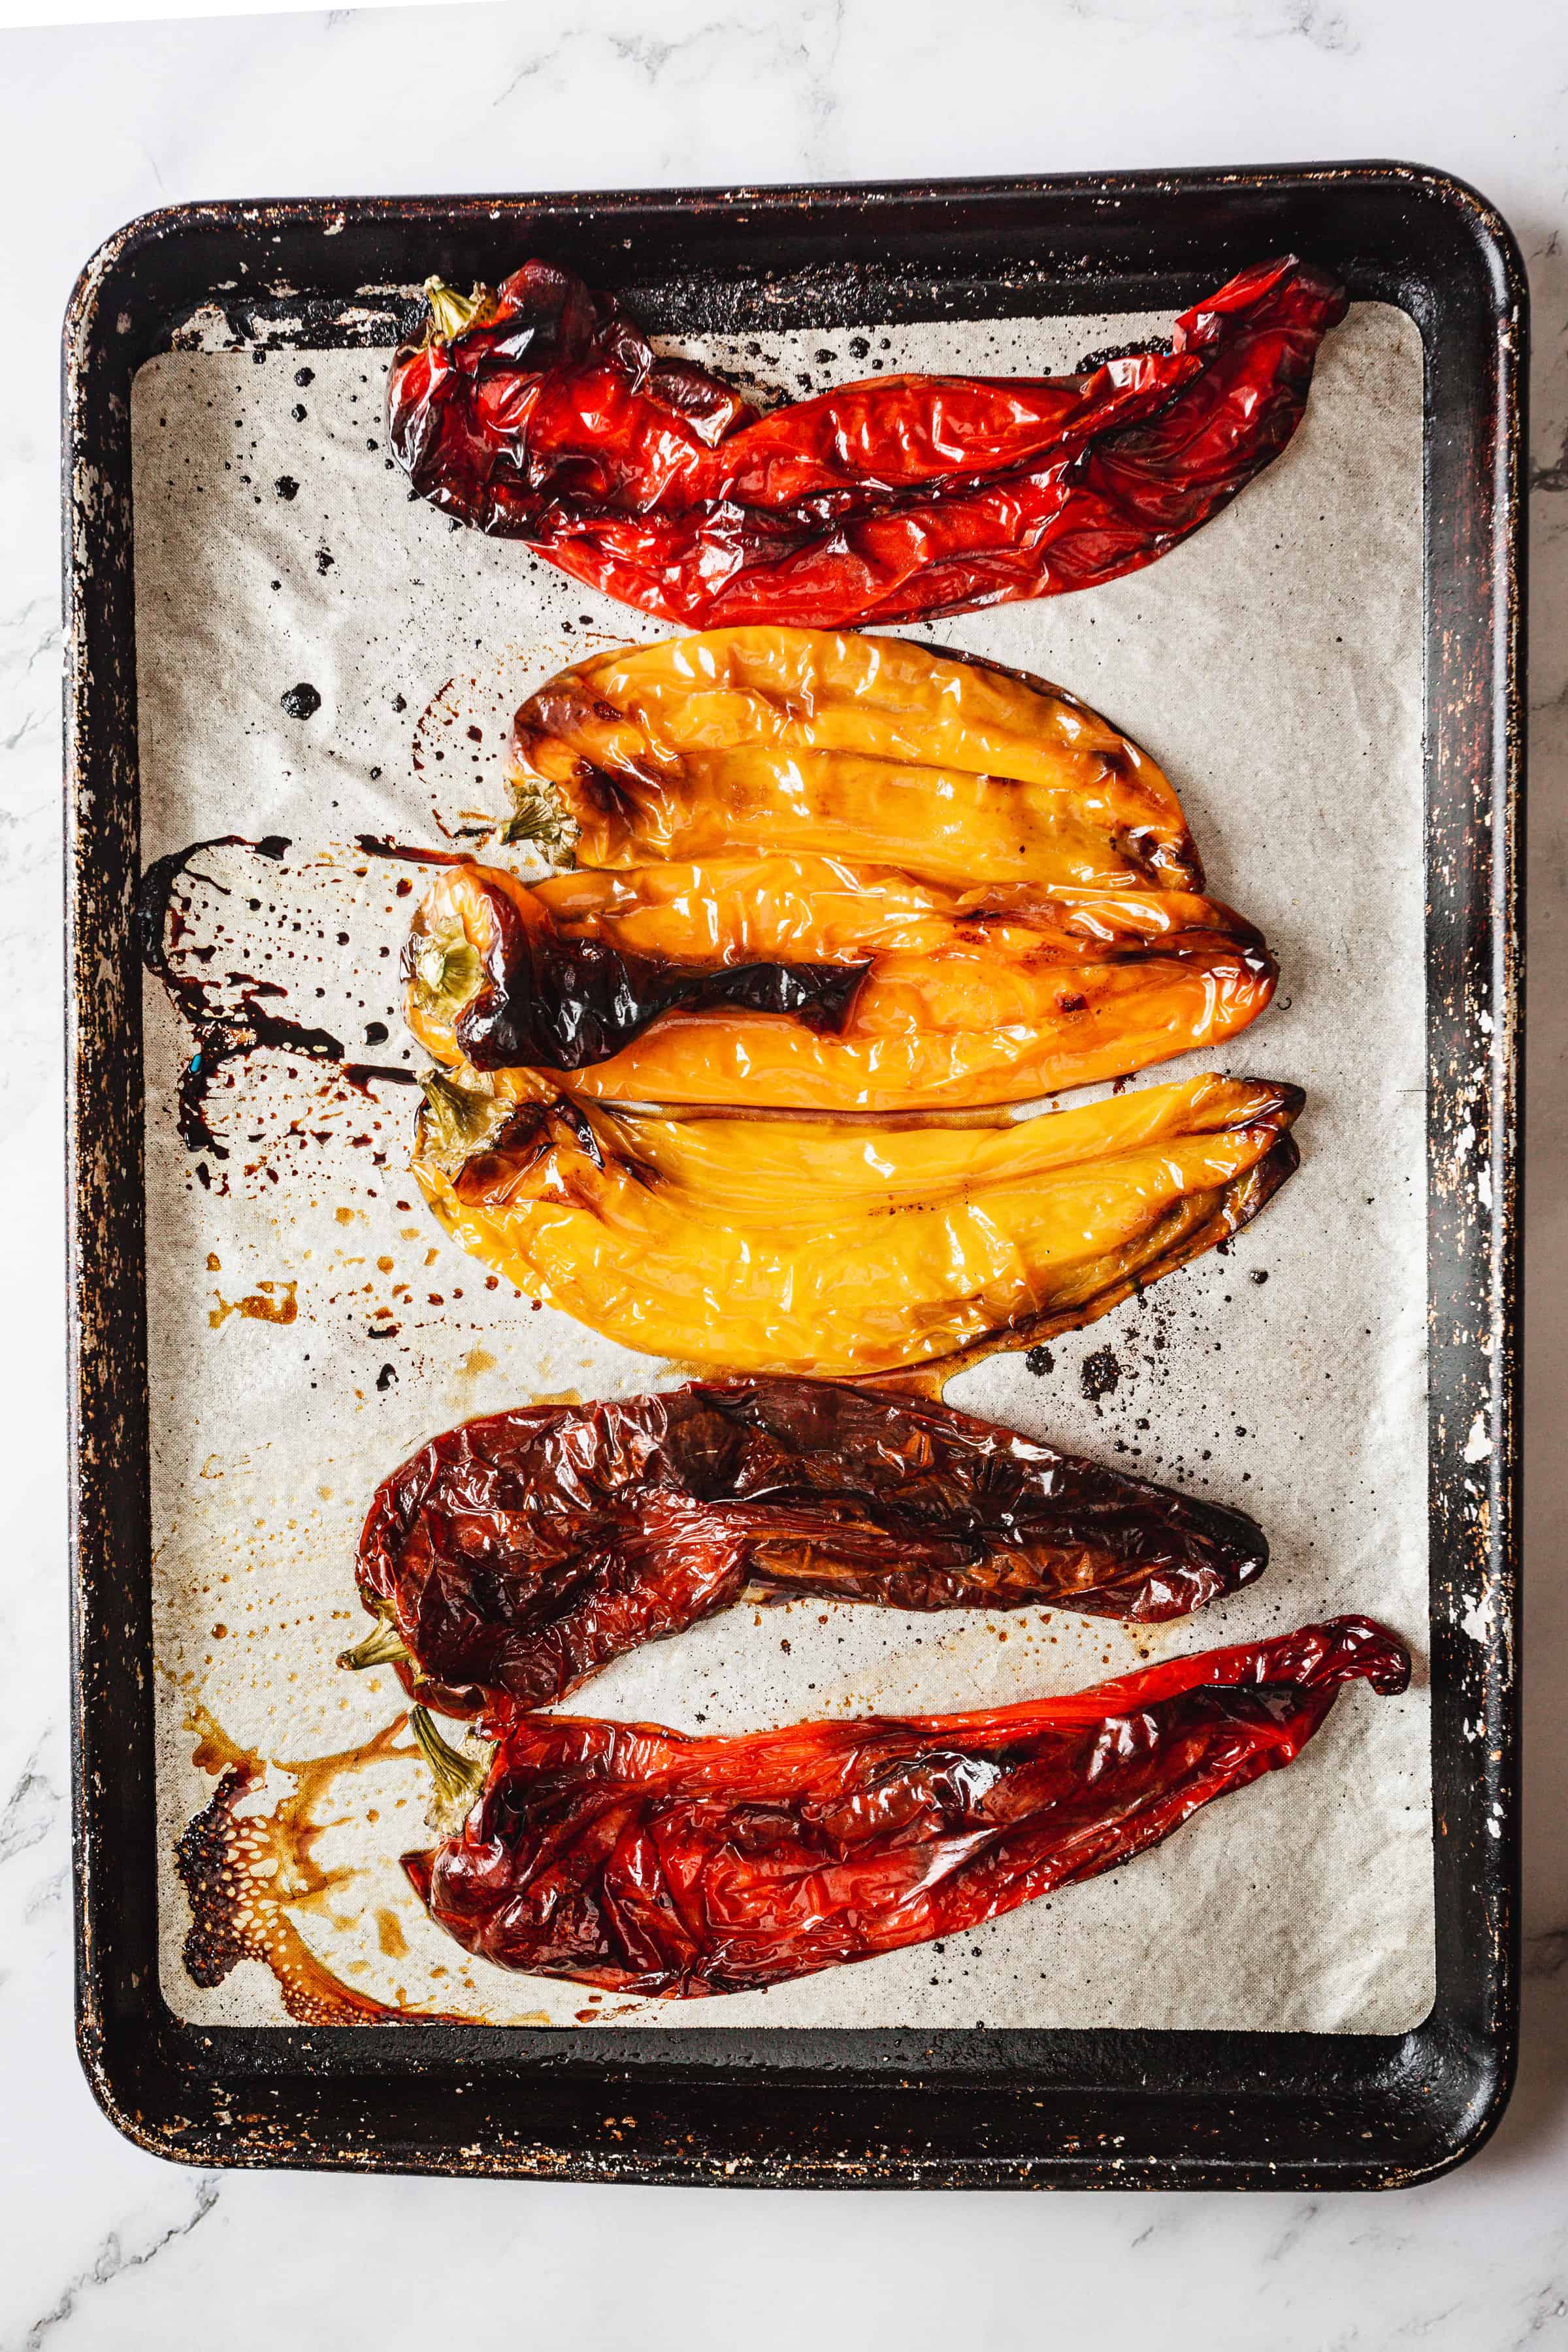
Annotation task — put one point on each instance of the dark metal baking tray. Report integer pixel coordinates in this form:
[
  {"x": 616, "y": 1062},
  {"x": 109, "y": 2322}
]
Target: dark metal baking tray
[{"x": 836, "y": 2108}]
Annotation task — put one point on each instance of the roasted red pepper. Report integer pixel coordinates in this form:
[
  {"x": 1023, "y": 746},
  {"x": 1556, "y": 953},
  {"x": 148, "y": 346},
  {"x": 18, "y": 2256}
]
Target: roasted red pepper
[
  {"x": 514, "y": 1557},
  {"x": 542, "y": 412},
  {"x": 633, "y": 1857}
]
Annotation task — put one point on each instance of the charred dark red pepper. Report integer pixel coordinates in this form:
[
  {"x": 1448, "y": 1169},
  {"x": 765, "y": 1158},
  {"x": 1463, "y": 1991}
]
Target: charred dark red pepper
[
  {"x": 542, "y": 412},
  {"x": 516, "y": 1555},
  {"x": 626, "y": 1855}
]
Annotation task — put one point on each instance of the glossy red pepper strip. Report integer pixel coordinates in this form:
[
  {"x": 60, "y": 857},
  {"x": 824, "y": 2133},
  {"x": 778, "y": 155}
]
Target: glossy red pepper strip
[
  {"x": 632, "y": 1857},
  {"x": 519, "y": 1553},
  {"x": 550, "y": 419}
]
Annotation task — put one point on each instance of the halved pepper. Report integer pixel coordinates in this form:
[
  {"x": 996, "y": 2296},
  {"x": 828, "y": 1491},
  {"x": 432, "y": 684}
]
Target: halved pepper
[
  {"x": 875, "y": 749},
  {"x": 511, "y": 1557},
  {"x": 807, "y": 983},
  {"x": 541, "y": 412},
  {"x": 1003, "y": 885},
  {"x": 842, "y": 1248},
  {"x": 635, "y": 1857}
]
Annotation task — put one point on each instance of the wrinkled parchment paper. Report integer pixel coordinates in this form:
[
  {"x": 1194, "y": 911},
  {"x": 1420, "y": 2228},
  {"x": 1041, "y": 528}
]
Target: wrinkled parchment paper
[{"x": 309, "y": 1327}]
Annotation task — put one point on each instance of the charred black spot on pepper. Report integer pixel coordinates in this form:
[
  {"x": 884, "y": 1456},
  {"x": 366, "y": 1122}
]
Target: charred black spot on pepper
[{"x": 554, "y": 1001}]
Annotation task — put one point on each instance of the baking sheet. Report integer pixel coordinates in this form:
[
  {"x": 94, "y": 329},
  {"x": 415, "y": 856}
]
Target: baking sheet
[{"x": 309, "y": 1326}]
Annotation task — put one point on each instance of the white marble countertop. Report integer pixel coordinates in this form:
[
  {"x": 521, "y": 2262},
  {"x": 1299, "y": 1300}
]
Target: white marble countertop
[{"x": 105, "y": 2246}]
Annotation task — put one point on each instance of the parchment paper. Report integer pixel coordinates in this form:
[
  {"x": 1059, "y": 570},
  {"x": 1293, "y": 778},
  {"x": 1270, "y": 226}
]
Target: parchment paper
[{"x": 1273, "y": 665}]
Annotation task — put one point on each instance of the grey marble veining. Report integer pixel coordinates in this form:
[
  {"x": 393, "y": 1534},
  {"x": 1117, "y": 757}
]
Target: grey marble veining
[{"x": 103, "y": 2246}]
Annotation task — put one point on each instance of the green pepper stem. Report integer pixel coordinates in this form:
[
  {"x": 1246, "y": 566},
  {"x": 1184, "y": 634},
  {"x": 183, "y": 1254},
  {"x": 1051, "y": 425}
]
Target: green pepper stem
[
  {"x": 459, "y": 1779},
  {"x": 381, "y": 1646},
  {"x": 447, "y": 973},
  {"x": 451, "y": 313},
  {"x": 456, "y": 1121},
  {"x": 539, "y": 816}
]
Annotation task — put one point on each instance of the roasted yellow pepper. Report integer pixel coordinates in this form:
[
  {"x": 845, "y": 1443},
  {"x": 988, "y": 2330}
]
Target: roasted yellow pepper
[
  {"x": 865, "y": 748},
  {"x": 841, "y": 1248},
  {"x": 951, "y": 997}
]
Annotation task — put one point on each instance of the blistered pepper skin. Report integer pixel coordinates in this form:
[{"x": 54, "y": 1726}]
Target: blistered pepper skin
[
  {"x": 559, "y": 995},
  {"x": 844, "y": 1249},
  {"x": 542, "y": 412},
  {"x": 809, "y": 985},
  {"x": 518, "y": 1554},
  {"x": 635, "y": 1858},
  {"x": 844, "y": 744},
  {"x": 1003, "y": 883}
]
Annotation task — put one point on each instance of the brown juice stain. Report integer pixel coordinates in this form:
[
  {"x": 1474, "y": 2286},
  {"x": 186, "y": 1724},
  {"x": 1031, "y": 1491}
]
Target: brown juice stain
[
  {"x": 215, "y": 1751},
  {"x": 389, "y": 1934},
  {"x": 269, "y": 1302},
  {"x": 244, "y": 1873}
]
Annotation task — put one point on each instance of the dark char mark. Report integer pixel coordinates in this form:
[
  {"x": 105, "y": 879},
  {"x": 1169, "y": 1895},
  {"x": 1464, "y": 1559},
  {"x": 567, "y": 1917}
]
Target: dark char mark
[{"x": 559, "y": 1003}]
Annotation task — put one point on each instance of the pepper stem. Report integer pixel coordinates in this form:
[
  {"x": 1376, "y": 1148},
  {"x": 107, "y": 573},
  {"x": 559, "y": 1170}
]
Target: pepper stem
[
  {"x": 539, "y": 816},
  {"x": 447, "y": 973},
  {"x": 451, "y": 313},
  {"x": 456, "y": 1120},
  {"x": 459, "y": 1779},
  {"x": 381, "y": 1646}
]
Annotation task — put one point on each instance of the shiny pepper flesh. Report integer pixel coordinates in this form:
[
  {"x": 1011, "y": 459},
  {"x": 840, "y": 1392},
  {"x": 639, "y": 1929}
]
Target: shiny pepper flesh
[
  {"x": 541, "y": 412},
  {"x": 843, "y": 1249},
  {"x": 715, "y": 983},
  {"x": 1002, "y": 883},
  {"x": 638, "y": 1859},
  {"x": 853, "y": 746},
  {"x": 516, "y": 1555}
]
